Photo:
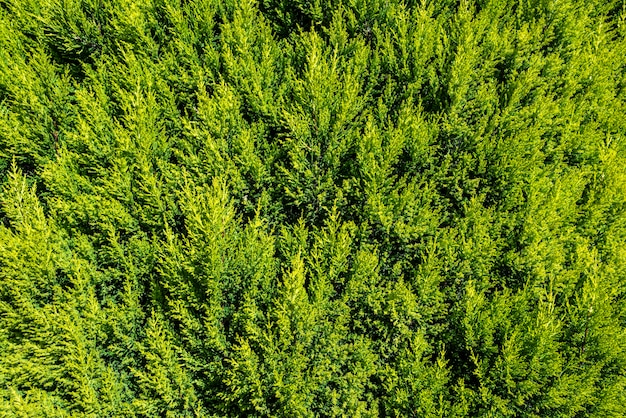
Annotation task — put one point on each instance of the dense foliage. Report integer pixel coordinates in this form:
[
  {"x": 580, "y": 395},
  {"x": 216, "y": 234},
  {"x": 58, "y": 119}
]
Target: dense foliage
[{"x": 313, "y": 208}]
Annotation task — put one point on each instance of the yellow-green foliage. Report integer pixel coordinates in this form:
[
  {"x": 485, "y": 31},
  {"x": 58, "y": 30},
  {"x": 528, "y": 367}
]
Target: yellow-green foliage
[{"x": 313, "y": 208}]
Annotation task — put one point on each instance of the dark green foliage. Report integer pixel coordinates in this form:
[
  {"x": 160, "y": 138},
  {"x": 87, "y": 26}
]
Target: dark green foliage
[{"x": 313, "y": 208}]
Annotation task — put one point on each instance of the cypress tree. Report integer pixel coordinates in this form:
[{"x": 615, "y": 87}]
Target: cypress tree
[{"x": 272, "y": 208}]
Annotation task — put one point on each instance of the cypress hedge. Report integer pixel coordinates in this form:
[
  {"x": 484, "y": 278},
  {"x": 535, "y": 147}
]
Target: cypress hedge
[{"x": 324, "y": 208}]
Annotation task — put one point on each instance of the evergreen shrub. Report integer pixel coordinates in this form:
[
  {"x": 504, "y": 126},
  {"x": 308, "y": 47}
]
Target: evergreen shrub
[{"x": 324, "y": 208}]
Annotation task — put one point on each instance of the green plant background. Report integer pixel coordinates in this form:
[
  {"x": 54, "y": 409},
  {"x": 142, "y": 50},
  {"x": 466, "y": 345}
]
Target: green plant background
[{"x": 313, "y": 208}]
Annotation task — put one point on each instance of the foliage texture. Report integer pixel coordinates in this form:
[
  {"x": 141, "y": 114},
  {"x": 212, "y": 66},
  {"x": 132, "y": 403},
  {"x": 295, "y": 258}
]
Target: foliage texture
[{"x": 299, "y": 208}]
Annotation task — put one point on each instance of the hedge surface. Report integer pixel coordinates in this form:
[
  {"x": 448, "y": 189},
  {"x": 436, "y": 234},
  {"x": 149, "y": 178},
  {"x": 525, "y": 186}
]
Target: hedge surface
[{"x": 313, "y": 208}]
